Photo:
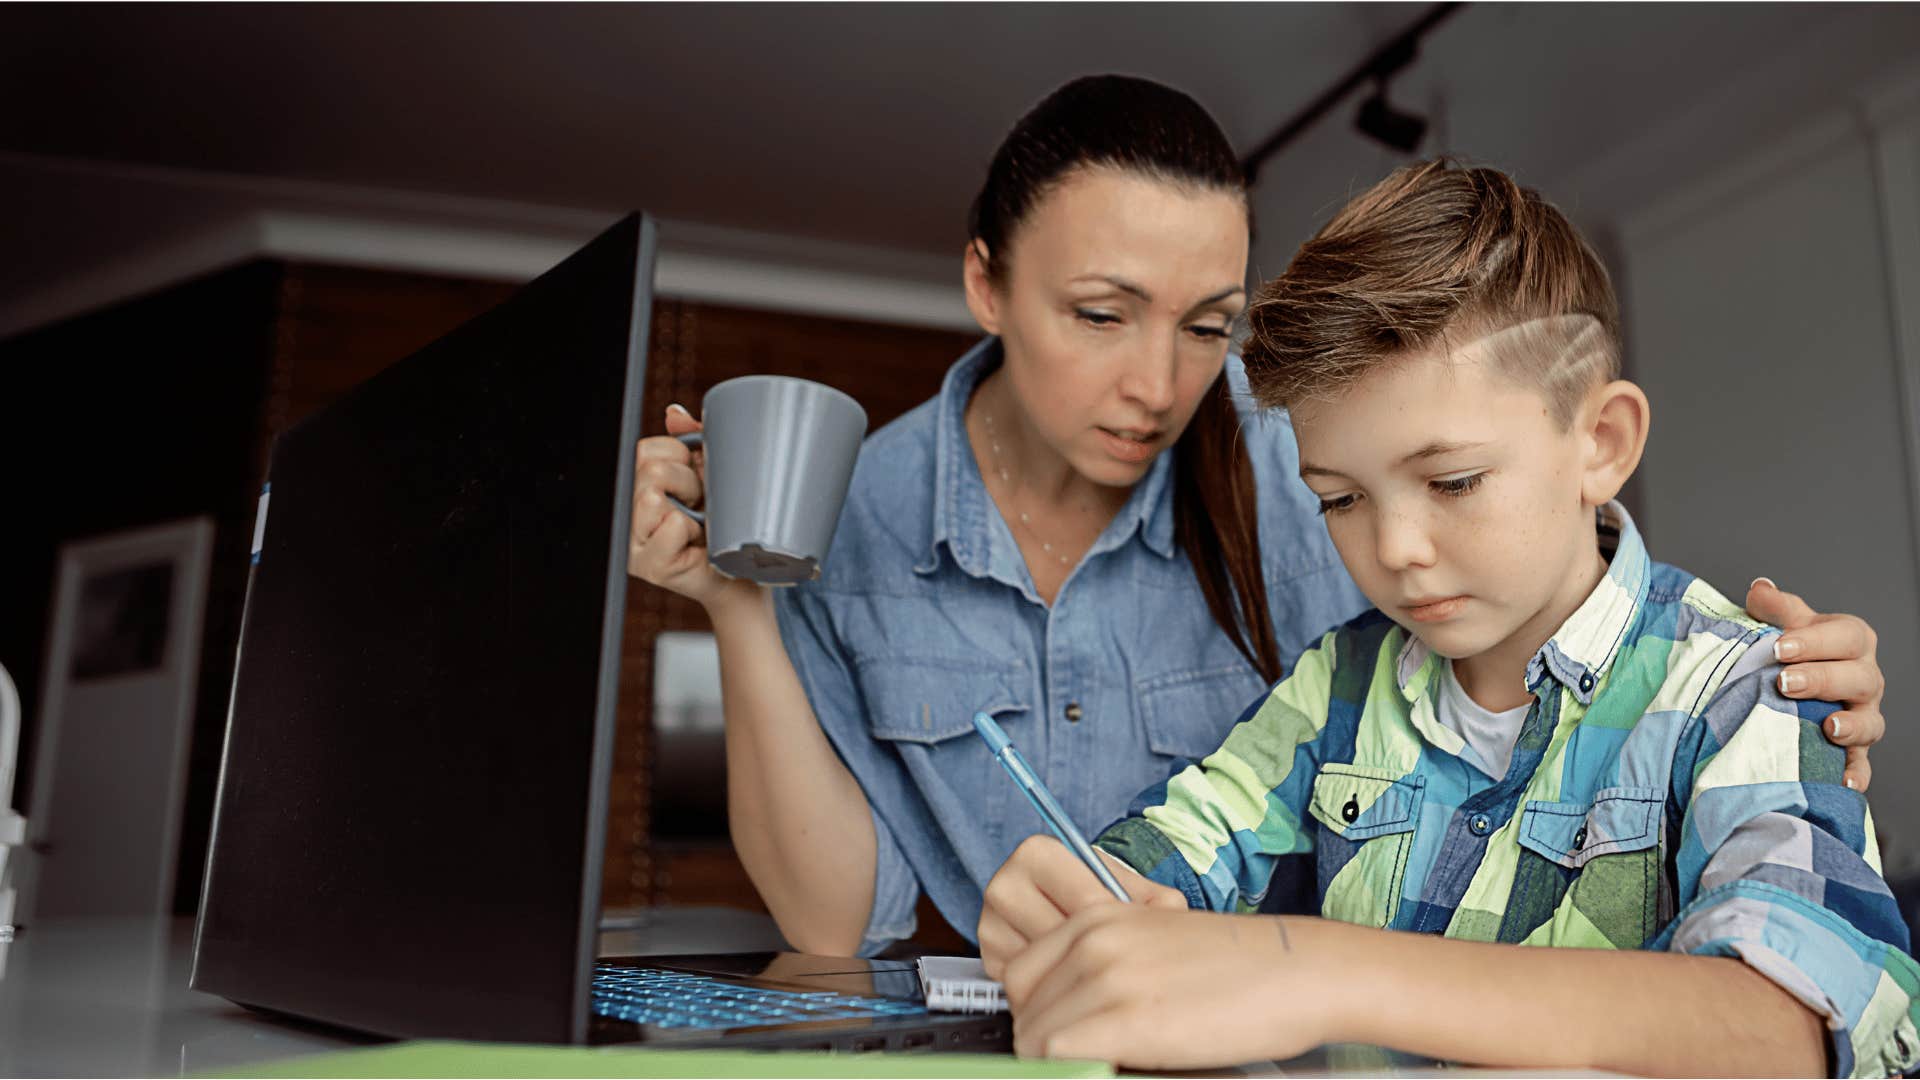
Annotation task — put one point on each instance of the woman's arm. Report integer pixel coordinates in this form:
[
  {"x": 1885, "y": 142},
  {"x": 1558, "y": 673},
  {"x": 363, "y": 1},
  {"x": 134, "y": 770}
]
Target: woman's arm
[
  {"x": 1170, "y": 989},
  {"x": 798, "y": 818}
]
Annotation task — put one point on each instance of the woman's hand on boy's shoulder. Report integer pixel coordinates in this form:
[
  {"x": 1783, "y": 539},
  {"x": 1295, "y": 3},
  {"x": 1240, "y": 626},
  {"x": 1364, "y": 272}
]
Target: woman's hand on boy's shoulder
[
  {"x": 1828, "y": 658},
  {"x": 1040, "y": 886},
  {"x": 1154, "y": 988}
]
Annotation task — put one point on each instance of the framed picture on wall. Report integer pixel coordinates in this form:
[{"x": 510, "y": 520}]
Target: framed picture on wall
[{"x": 115, "y": 722}]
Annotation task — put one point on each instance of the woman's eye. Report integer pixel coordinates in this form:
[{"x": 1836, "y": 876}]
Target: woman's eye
[
  {"x": 1213, "y": 332},
  {"x": 1338, "y": 504},
  {"x": 1457, "y": 486},
  {"x": 1096, "y": 318}
]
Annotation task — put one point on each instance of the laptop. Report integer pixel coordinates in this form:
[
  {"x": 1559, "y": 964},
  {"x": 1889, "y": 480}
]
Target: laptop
[{"x": 411, "y": 812}]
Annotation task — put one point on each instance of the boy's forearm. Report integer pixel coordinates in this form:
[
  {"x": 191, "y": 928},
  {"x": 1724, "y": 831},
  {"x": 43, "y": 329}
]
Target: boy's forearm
[{"x": 1531, "y": 1007}]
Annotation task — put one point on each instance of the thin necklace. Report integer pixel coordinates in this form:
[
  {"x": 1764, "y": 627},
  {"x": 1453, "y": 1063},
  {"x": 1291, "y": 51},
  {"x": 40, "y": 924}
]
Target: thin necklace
[{"x": 1006, "y": 482}]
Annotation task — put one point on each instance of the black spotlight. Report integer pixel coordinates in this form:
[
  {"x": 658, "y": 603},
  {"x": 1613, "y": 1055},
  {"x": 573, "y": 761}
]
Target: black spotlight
[{"x": 1400, "y": 130}]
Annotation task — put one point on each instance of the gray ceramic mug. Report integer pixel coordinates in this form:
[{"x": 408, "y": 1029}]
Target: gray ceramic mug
[{"x": 780, "y": 455}]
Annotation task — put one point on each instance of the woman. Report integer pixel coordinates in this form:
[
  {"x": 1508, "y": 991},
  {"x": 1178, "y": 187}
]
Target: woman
[{"x": 1029, "y": 543}]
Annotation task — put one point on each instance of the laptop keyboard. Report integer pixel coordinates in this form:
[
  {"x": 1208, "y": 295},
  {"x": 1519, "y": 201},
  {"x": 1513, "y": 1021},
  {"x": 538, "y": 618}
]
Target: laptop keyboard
[{"x": 675, "y": 999}]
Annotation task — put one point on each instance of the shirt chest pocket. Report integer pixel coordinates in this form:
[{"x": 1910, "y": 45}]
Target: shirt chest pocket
[
  {"x": 1366, "y": 821},
  {"x": 1608, "y": 852},
  {"x": 1187, "y": 714},
  {"x": 923, "y": 708}
]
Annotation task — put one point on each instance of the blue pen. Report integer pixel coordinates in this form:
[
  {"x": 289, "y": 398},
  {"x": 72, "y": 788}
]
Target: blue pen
[{"x": 1050, "y": 811}]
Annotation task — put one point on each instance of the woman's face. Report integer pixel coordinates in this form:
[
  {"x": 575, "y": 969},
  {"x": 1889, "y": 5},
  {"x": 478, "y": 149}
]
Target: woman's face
[{"x": 1114, "y": 309}]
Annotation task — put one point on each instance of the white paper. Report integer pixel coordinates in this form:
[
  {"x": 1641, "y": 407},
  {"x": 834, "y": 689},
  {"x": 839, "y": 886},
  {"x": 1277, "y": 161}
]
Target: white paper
[{"x": 959, "y": 984}]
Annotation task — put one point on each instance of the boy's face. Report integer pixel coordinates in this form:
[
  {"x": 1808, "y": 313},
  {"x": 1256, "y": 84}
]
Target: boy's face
[{"x": 1454, "y": 500}]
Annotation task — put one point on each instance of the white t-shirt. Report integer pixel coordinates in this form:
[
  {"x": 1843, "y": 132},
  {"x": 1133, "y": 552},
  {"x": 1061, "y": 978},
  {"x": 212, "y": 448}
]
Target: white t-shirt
[{"x": 1490, "y": 735}]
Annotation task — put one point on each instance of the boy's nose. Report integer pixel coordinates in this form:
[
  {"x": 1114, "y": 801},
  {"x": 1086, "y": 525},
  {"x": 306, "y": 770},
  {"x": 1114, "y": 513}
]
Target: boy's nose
[{"x": 1403, "y": 542}]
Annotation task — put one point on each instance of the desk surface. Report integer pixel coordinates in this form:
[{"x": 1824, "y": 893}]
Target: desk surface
[{"x": 109, "y": 997}]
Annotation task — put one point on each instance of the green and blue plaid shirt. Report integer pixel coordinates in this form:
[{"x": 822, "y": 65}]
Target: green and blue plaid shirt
[{"x": 1662, "y": 795}]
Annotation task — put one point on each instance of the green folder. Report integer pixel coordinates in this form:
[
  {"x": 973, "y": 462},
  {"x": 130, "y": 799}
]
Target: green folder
[{"x": 464, "y": 1059}]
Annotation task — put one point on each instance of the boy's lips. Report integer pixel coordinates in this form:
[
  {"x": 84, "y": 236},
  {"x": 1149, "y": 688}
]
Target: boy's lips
[{"x": 1434, "y": 610}]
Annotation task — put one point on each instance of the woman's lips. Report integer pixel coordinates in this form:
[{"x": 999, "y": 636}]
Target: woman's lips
[
  {"x": 1436, "y": 610},
  {"x": 1133, "y": 450}
]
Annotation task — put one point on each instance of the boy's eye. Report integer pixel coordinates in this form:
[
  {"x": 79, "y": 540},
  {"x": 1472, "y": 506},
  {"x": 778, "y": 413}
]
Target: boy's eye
[
  {"x": 1095, "y": 317},
  {"x": 1338, "y": 504},
  {"x": 1458, "y": 485}
]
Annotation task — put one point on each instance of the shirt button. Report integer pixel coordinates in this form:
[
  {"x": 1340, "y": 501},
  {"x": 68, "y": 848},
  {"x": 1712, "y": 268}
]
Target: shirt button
[
  {"x": 1481, "y": 824},
  {"x": 1073, "y": 712},
  {"x": 1580, "y": 838},
  {"x": 1586, "y": 684}
]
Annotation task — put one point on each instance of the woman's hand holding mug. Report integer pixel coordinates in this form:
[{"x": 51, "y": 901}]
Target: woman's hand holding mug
[
  {"x": 769, "y": 461},
  {"x": 666, "y": 547}
]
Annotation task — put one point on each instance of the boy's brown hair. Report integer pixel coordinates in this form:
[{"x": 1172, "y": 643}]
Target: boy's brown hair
[{"x": 1437, "y": 254}]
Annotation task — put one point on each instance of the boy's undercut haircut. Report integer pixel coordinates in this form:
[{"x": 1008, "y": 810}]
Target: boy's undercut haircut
[{"x": 1437, "y": 254}]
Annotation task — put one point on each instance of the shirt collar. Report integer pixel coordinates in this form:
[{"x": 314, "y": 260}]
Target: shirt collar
[
  {"x": 964, "y": 517},
  {"x": 1581, "y": 652}
]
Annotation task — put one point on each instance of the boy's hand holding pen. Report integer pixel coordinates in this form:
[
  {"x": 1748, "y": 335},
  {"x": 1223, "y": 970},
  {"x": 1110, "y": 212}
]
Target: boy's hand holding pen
[{"x": 1049, "y": 879}]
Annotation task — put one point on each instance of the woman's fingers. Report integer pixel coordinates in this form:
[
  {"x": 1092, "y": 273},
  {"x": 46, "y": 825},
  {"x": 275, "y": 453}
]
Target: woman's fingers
[
  {"x": 1857, "y": 684},
  {"x": 675, "y": 478},
  {"x": 673, "y": 548},
  {"x": 1859, "y": 769},
  {"x": 680, "y": 421},
  {"x": 1852, "y": 728},
  {"x": 1771, "y": 604},
  {"x": 1827, "y": 637}
]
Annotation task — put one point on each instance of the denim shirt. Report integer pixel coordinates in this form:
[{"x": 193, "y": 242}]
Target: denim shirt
[{"x": 925, "y": 613}]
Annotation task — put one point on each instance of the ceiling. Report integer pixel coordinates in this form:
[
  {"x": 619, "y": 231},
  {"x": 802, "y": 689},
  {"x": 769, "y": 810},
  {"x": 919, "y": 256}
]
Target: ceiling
[{"x": 863, "y": 124}]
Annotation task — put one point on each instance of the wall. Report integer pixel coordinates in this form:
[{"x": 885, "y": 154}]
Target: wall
[
  {"x": 1771, "y": 312},
  {"x": 142, "y": 414}
]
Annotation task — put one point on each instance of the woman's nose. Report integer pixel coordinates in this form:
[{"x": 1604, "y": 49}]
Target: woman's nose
[{"x": 1150, "y": 380}]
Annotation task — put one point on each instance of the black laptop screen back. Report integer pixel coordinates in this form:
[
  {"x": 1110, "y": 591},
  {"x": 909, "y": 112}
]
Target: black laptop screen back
[{"x": 411, "y": 810}]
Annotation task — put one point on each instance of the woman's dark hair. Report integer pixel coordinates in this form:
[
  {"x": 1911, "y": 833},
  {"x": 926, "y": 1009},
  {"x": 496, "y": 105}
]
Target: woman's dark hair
[{"x": 1142, "y": 127}]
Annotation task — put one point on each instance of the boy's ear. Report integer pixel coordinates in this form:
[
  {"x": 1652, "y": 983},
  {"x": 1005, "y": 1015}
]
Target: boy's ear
[
  {"x": 1616, "y": 419},
  {"x": 981, "y": 299}
]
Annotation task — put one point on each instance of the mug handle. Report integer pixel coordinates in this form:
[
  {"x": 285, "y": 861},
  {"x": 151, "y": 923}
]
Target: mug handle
[{"x": 692, "y": 440}]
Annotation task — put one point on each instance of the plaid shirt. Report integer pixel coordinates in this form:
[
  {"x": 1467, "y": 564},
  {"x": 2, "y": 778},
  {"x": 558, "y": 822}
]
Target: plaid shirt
[{"x": 1662, "y": 795}]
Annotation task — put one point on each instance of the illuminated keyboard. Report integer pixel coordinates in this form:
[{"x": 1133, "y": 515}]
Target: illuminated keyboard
[{"x": 674, "y": 999}]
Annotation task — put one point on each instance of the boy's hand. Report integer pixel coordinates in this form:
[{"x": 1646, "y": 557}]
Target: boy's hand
[
  {"x": 1829, "y": 658},
  {"x": 1040, "y": 886},
  {"x": 1152, "y": 988}
]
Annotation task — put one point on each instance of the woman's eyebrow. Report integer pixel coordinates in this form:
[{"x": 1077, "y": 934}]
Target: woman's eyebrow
[
  {"x": 1134, "y": 289},
  {"x": 1120, "y": 283}
]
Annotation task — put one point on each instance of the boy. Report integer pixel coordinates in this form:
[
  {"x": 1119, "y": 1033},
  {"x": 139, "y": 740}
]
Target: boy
[{"x": 1539, "y": 736}]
